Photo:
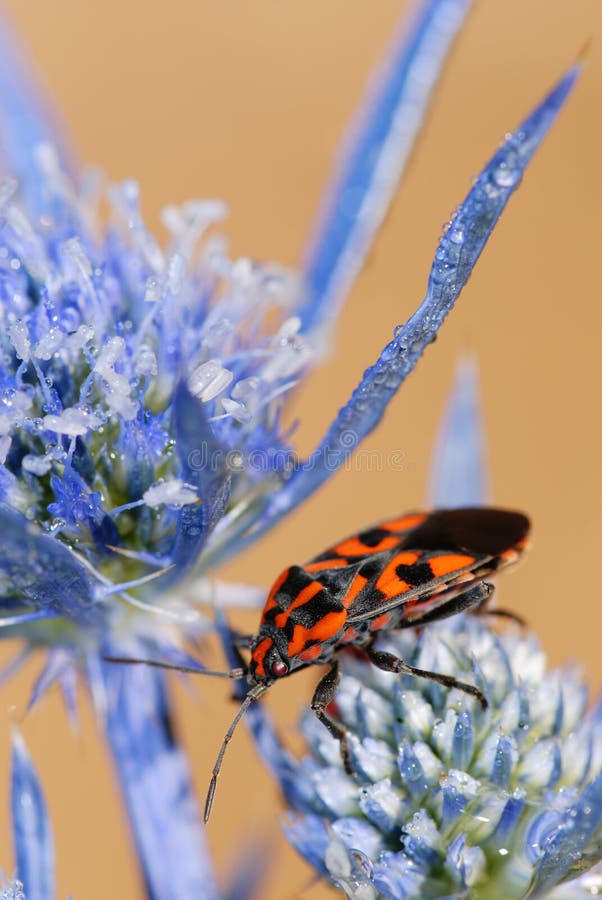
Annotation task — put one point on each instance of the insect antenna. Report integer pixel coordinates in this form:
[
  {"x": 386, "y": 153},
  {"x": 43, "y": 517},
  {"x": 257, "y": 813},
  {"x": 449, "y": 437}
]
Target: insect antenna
[
  {"x": 257, "y": 691},
  {"x": 234, "y": 674}
]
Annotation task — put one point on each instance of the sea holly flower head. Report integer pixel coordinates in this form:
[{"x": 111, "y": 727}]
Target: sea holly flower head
[
  {"x": 448, "y": 799},
  {"x": 129, "y": 376}
]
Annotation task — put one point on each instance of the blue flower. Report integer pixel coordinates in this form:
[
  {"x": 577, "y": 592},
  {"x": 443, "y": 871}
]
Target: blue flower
[
  {"x": 141, "y": 401},
  {"x": 448, "y": 799},
  {"x": 142, "y": 388}
]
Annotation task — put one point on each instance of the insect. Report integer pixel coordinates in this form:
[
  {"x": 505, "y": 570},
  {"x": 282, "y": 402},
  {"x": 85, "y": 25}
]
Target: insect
[{"x": 402, "y": 573}]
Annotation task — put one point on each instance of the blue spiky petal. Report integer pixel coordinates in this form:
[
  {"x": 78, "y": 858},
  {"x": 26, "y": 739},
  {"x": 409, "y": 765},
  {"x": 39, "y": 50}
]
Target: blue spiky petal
[
  {"x": 375, "y": 154},
  {"x": 32, "y": 835},
  {"x": 455, "y": 258}
]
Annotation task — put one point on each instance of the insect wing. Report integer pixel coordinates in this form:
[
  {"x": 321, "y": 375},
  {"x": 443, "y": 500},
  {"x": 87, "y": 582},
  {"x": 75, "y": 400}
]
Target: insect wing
[
  {"x": 480, "y": 529},
  {"x": 444, "y": 553},
  {"x": 381, "y": 538},
  {"x": 412, "y": 577}
]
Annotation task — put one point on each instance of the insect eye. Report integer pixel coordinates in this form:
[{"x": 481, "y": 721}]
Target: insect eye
[{"x": 278, "y": 668}]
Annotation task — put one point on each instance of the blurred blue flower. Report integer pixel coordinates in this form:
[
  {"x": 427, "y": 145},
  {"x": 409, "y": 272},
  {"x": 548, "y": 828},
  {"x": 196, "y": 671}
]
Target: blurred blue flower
[
  {"x": 142, "y": 392},
  {"x": 32, "y": 834},
  {"x": 14, "y": 891}
]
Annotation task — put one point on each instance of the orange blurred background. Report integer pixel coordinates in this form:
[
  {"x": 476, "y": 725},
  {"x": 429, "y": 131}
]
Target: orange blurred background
[{"x": 246, "y": 101}]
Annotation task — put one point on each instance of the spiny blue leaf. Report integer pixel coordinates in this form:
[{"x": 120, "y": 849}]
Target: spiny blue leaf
[
  {"x": 157, "y": 786},
  {"x": 374, "y": 155},
  {"x": 203, "y": 464},
  {"x": 57, "y": 663},
  {"x": 32, "y": 835},
  {"x": 455, "y": 258},
  {"x": 42, "y": 572},
  {"x": 458, "y": 470}
]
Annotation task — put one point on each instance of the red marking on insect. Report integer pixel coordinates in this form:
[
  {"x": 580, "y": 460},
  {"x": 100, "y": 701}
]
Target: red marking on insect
[
  {"x": 403, "y": 573},
  {"x": 311, "y": 654},
  {"x": 380, "y": 623}
]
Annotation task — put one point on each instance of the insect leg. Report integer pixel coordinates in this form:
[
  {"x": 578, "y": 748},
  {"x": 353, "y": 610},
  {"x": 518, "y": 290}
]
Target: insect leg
[
  {"x": 480, "y": 607},
  {"x": 474, "y": 598},
  {"x": 323, "y": 695},
  {"x": 502, "y": 613},
  {"x": 390, "y": 663}
]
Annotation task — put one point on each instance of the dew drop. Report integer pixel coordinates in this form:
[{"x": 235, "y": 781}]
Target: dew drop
[
  {"x": 56, "y": 524},
  {"x": 505, "y": 175}
]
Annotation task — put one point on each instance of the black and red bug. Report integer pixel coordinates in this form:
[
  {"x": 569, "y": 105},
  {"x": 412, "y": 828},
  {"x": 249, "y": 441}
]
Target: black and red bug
[{"x": 402, "y": 573}]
